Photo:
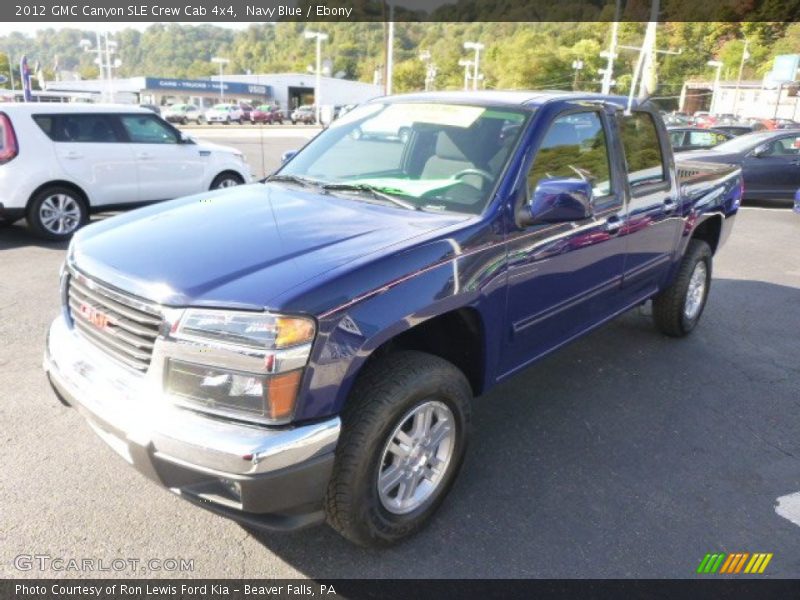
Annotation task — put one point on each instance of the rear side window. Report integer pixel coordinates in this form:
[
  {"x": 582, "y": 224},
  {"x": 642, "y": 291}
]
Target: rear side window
[
  {"x": 96, "y": 129},
  {"x": 46, "y": 124},
  {"x": 642, "y": 150},
  {"x": 705, "y": 138},
  {"x": 148, "y": 129}
]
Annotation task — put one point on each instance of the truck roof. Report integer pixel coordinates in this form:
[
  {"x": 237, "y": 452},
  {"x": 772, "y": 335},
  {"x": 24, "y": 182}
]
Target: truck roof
[{"x": 519, "y": 98}]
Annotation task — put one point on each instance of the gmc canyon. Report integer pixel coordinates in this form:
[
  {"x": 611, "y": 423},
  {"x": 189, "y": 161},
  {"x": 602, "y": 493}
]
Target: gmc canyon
[{"x": 306, "y": 349}]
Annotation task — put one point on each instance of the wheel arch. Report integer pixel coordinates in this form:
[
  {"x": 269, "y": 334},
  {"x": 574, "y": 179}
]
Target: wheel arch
[{"x": 84, "y": 197}]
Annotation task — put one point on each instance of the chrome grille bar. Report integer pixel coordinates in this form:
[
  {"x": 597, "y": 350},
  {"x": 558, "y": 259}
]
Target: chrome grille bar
[{"x": 124, "y": 327}]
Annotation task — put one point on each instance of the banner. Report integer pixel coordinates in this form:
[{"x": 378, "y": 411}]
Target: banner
[{"x": 25, "y": 74}]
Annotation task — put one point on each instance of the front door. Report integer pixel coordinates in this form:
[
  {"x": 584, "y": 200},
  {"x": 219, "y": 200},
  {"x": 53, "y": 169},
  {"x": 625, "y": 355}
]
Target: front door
[
  {"x": 167, "y": 168},
  {"x": 564, "y": 278},
  {"x": 775, "y": 173}
]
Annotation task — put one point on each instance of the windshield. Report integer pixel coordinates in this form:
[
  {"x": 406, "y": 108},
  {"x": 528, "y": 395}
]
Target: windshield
[
  {"x": 221, "y": 107},
  {"x": 264, "y": 108},
  {"x": 442, "y": 157},
  {"x": 742, "y": 143},
  {"x": 178, "y": 107}
]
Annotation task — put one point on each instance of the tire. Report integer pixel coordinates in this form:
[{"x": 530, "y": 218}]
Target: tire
[
  {"x": 381, "y": 401},
  {"x": 224, "y": 180},
  {"x": 184, "y": 121},
  {"x": 677, "y": 309},
  {"x": 44, "y": 206}
]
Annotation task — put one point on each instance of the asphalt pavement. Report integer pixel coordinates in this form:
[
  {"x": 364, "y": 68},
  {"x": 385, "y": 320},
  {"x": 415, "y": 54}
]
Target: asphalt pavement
[{"x": 625, "y": 454}]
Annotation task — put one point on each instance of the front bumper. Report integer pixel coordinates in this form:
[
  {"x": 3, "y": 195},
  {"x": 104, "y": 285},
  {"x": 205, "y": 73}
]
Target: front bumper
[{"x": 272, "y": 478}]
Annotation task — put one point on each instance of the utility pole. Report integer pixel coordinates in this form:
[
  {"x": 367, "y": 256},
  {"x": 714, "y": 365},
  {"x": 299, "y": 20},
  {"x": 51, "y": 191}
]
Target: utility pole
[
  {"x": 221, "y": 62},
  {"x": 611, "y": 53},
  {"x": 466, "y": 64},
  {"x": 320, "y": 37},
  {"x": 718, "y": 64},
  {"x": 390, "y": 52},
  {"x": 577, "y": 65},
  {"x": 477, "y": 46},
  {"x": 745, "y": 56}
]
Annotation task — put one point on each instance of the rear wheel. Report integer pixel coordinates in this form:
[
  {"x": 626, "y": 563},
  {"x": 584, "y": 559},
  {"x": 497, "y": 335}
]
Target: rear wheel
[
  {"x": 225, "y": 180},
  {"x": 404, "y": 435},
  {"x": 56, "y": 212},
  {"x": 677, "y": 309}
]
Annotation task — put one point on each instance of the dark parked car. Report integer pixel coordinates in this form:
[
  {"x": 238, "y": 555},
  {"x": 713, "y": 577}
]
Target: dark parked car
[
  {"x": 695, "y": 138},
  {"x": 735, "y": 130},
  {"x": 770, "y": 162},
  {"x": 266, "y": 113},
  {"x": 307, "y": 349}
]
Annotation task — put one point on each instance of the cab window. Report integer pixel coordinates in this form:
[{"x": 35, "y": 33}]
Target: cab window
[
  {"x": 575, "y": 147},
  {"x": 645, "y": 161}
]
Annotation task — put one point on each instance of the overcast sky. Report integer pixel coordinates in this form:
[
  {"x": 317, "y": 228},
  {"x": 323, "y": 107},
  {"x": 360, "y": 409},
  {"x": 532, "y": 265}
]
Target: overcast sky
[{"x": 31, "y": 27}]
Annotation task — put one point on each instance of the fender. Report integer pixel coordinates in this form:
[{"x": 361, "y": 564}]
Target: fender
[{"x": 349, "y": 334}]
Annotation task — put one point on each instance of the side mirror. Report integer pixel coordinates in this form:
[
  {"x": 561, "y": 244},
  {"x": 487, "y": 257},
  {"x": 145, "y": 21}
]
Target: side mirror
[
  {"x": 559, "y": 201},
  {"x": 288, "y": 155},
  {"x": 186, "y": 138},
  {"x": 761, "y": 150}
]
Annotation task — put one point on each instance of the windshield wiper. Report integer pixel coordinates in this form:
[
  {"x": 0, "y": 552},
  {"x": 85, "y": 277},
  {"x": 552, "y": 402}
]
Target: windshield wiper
[
  {"x": 376, "y": 193},
  {"x": 291, "y": 179}
]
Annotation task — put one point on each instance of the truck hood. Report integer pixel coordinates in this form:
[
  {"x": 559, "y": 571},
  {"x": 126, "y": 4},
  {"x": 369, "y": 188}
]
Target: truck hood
[{"x": 243, "y": 246}]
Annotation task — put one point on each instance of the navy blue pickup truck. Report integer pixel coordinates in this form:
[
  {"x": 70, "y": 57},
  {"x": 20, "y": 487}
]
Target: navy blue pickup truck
[{"x": 307, "y": 348}]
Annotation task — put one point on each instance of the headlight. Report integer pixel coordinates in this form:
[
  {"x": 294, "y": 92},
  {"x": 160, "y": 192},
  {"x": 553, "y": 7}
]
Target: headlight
[{"x": 240, "y": 364}]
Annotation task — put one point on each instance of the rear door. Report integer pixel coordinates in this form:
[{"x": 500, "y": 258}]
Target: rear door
[
  {"x": 653, "y": 221},
  {"x": 90, "y": 150},
  {"x": 775, "y": 173},
  {"x": 166, "y": 168},
  {"x": 564, "y": 278}
]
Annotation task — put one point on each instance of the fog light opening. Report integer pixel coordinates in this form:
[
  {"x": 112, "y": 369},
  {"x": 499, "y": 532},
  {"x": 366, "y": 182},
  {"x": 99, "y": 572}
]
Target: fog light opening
[{"x": 234, "y": 488}]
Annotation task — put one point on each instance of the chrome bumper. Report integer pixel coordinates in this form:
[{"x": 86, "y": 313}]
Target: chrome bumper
[{"x": 183, "y": 450}]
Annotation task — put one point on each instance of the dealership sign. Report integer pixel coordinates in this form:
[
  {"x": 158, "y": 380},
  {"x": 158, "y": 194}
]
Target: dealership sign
[{"x": 202, "y": 86}]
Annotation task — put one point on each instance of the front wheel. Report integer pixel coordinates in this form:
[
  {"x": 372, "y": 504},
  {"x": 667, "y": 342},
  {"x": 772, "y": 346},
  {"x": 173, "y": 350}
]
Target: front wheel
[
  {"x": 225, "y": 180},
  {"x": 404, "y": 434},
  {"x": 56, "y": 212},
  {"x": 677, "y": 309}
]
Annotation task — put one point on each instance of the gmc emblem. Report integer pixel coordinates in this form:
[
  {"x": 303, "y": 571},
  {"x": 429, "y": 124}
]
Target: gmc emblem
[{"x": 94, "y": 316}]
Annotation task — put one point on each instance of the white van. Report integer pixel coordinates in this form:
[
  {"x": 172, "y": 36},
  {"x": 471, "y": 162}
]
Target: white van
[{"x": 59, "y": 162}]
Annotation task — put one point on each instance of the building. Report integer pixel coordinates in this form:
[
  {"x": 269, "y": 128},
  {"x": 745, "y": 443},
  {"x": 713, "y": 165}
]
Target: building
[
  {"x": 744, "y": 99},
  {"x": 165, "y": 90},
  {"x": 294, "y": 89},
  {"x": 287, "y": 90}
]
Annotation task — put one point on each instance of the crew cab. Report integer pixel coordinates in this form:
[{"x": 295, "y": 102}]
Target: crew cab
[
  {"x": 308, "y": 349},
  {"x": 61, "y": 162}
]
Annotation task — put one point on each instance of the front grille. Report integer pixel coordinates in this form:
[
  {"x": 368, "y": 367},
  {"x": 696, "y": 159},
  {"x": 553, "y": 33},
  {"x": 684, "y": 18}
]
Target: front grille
[{"x": 122, "y": 326}]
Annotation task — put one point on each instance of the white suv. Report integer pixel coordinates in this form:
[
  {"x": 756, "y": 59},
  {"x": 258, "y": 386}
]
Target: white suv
[{"x": 59, "y": 162}]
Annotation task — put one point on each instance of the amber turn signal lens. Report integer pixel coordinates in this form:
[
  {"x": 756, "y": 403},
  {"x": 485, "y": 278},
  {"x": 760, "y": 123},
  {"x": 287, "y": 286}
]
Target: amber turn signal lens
[
  {"x": 282, "y": 393},
  {"x": 292, "y": 331}
]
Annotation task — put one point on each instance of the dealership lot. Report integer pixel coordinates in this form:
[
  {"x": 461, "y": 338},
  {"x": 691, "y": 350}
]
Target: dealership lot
[{"x": 624, "y": 454}]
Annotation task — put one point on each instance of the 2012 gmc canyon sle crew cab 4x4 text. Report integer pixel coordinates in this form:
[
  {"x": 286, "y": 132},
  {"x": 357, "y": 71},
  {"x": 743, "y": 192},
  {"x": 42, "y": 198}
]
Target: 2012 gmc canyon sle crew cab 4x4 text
[{"x": 307, "y": 348}]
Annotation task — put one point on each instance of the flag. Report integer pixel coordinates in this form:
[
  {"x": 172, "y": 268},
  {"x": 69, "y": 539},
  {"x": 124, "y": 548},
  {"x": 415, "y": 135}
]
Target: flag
[{"x": 25, "y": 75}]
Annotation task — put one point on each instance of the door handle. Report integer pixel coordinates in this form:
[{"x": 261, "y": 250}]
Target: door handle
[
  {"x": 613, "y": 224},
  {"x": 73, "y": 154},
  {"x": 144, "y": 156}
]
